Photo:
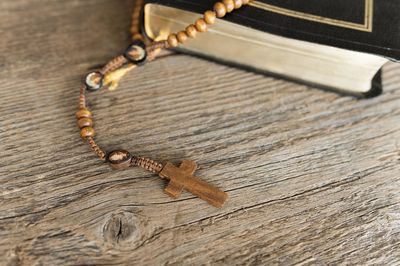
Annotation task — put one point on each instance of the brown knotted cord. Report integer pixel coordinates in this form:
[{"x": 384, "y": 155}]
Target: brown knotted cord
[
  {"x": 135, "y": 23},
  {"x": 147, "y": 164},
  {"x": 100, "y": 153},
  {"x": 109, "y": 73},
  {"x": 114, "y": 64},
  {"x": 117, "y": 63}
]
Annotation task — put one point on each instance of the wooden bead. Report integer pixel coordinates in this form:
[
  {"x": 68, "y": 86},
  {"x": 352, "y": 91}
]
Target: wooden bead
[
  {"x": 87, "y": 132},
  {"x": 229, "y": 5},
  {"x": 191, "y": 31},
  {"x": 85, "y": 122},
  {"x": 237, "y": 3},
  {"x": 119, "y": 159},
  {"x": 245, "y": 2},
  {"x": 137, "y": 36},
  {"x": 83, "y": 113},
  {"x": 201, "y": 25},
  {"x": 182, "y": 37},
  {"x": 220, "y": 9},
  {"x": 209, "y": 17},
  {"x": 172, "y": 40}
]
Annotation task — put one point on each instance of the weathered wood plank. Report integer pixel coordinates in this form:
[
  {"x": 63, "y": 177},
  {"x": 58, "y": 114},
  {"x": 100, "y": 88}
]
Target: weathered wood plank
[{"x": 312, "y": 176}]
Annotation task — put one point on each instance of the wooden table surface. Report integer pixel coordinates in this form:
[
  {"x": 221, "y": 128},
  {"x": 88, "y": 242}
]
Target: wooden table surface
[{"x": 312, "y": 176}]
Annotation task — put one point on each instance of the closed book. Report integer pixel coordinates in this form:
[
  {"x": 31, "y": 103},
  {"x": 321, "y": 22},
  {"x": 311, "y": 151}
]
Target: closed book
[{"x": 336, "y": 44}]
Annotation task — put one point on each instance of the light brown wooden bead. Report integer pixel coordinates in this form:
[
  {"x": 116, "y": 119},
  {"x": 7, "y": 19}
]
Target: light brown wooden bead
[
  {"x": 220, "y": 9},
  {"x": 85, "y": 122},
  {"x": 245, "y": 2},
  {"x": 137, "y": 36},
  {"x": 182, "y": 37},
  {"x": 201, "y": 25},
  {"x": 87, "y": 132},
  {"x": 229, "y": 5},
  {"x": 237, "y": 3},
  {"x": 172, "y": 40},
  {"x": 210, "y": 17},
  {"x": 191, "y": 31},
  {"x": 83, "y": 113}
]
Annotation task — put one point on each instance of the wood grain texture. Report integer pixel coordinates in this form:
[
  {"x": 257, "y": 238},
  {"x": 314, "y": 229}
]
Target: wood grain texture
[{"x": 313, "y": 177}]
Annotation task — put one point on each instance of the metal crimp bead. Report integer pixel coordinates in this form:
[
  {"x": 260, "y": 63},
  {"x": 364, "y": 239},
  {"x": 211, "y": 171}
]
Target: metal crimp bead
[
  {"x": 136, "y": 53},
  {"x": 119, "y": 159},
  {"x": 94, "y": 81}
]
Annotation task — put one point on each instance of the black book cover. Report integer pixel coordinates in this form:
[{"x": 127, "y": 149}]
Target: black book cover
[{"x": 371, "y": 26}]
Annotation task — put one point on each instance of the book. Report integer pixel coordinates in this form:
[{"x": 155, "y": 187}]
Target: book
[{"x": 333, "y": 44}]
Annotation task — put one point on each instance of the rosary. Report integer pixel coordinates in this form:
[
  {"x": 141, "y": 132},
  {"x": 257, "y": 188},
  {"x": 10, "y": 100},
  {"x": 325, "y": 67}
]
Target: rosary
[{"x": 139, "y": 52}]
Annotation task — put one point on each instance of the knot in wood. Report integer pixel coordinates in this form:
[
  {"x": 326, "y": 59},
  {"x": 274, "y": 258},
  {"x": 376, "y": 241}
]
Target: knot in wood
[{"x": 121, "y": 227}]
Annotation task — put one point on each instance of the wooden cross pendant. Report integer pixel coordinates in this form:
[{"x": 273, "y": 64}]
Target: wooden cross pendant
[{"x": 182, "y": 178}]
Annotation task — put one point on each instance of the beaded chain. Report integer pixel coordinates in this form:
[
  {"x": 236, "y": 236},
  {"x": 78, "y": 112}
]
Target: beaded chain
[{"x": 138, "y": 53}]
